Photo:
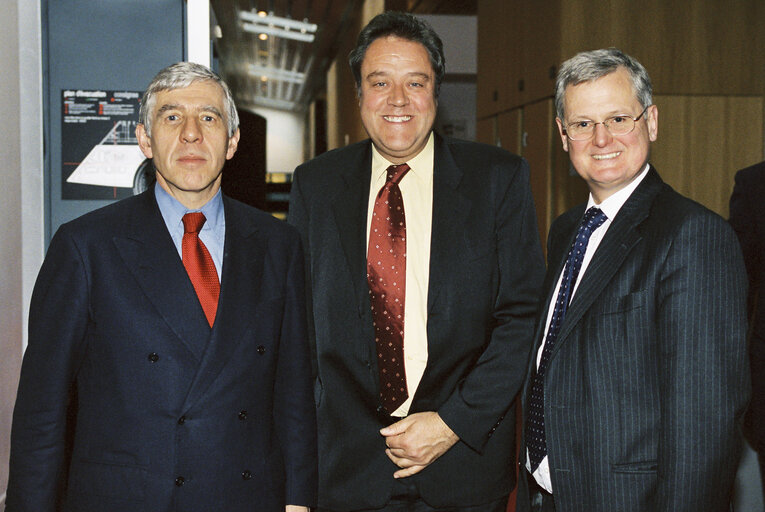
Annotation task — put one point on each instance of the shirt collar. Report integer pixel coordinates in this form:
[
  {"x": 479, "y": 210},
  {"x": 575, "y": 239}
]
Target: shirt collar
[
  {"x": 613, "y": 203},
  {"x": 420, "y": 166},
  {"x": 173, "y": 211}
]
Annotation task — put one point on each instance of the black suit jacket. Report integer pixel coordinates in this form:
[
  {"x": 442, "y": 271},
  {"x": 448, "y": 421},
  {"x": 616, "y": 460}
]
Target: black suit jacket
[
  {"x": 648, "y": 378},
  {"x": 747, "y": 216},
  {"x": 485, "y": 271},
  {"x": 168, "y": 414}
]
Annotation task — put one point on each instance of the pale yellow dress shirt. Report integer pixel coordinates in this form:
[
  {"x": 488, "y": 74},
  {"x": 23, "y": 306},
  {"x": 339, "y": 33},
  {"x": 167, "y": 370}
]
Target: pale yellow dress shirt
[{"x": 417, "y": 192}]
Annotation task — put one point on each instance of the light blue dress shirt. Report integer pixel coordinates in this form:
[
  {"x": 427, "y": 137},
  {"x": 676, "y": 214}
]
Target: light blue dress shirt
[{"x": 213, "y": 233}]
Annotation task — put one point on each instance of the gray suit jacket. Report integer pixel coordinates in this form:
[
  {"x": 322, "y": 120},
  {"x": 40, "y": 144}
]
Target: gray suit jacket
[
  {"x": 648, "y": 378},
  {"x": 485, "y": 271}
]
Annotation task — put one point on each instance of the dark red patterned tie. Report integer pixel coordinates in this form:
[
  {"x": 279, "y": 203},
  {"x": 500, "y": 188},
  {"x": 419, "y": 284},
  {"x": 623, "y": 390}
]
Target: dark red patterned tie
[
  {"x": 199, "y": 265},
  {"x": 386, "y": 274}
]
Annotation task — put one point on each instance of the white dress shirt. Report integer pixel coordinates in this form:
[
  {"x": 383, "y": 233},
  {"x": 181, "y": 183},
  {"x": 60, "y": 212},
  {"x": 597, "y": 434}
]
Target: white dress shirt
[{"x": 610, "y": 207}]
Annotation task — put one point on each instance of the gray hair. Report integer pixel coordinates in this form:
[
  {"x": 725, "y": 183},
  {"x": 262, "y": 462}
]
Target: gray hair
[
  {"x": 178, "y": 76},
  {"x": 588, "y": 66}
]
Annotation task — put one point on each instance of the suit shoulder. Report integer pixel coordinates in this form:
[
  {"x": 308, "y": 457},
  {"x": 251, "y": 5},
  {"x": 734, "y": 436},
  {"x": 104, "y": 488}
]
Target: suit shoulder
[
  {"x": 752, "y": 174},
  {"x": 485, "y": 153},
  {"x": 106, "y": 218},
  {"x": 333, "y": 159},
  {"x": 568, "y": 218},
  {"x": 263, "y": 220},
  {"x": 670, "y": 204}
]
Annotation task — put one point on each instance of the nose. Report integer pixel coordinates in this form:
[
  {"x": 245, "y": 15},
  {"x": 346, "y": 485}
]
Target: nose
[
  {"x": 191, "y": 132},
  {"x": 602, "y": 136},
  {"x": 398, "y": 96}
]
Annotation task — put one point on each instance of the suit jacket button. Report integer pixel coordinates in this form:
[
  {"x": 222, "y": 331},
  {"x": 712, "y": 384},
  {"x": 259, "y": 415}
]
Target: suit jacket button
[
  {"x": 153, "y": 357},
  {"x": 242, "y": 415},
  {"x": 261, "y": 350},
  {"x": 246, "y": 475},
  {"x": 181, "y": 420},
  {"x": 180, "y": 481}
]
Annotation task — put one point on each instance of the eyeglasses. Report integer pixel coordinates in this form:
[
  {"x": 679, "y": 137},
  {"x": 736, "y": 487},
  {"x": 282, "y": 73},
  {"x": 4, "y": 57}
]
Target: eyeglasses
[{"x": 616, "y": 125}]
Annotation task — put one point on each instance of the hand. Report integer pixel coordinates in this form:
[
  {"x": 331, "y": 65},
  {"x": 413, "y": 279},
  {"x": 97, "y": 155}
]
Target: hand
[
  {"x": 416, "y": 441},
  {"x": 295, "y": 508}
]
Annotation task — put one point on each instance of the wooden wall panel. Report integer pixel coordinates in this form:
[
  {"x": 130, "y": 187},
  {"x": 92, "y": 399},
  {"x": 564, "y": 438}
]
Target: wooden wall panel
[
  {"x": 699, "y": 47},
  {"x": 495, "y": 55},
  {"x": 486, "y": 131},
  {"x": 537, "y": 149},
  {"x": 343, "y": 118},
  {"x": 541, "y": 46},
  {"x": 509, "y": 126},
  {"x": 704, "y": 140}
]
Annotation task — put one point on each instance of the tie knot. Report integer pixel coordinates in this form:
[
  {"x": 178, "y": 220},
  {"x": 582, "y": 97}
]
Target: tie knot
[
  {"x": 193, "y": 222},
  {"x": 396, "y": 172},
  {"x": 593, "y": 218}
]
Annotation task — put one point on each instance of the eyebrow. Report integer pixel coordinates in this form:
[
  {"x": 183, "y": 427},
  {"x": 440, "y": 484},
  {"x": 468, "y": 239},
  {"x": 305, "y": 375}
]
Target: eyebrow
[
  {"x": 174, "y": 106},
  {"x": 613, "y": 113},
  {"x": 375, "y": 74}
]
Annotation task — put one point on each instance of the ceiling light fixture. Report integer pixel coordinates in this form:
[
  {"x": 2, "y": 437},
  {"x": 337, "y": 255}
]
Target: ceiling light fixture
[
  {"x": 258, "y": 23},
  {"x": 283, "y": 75}
]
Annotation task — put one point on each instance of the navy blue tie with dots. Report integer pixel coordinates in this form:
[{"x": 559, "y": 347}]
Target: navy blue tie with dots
[{"x": 535, "y": 425}]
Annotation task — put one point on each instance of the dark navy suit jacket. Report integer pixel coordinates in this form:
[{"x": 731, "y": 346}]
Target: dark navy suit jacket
[
  {"x": 747, "y": 216},
  {"x": 128, "y": 401},
  {"x": 648, "y": 379}
]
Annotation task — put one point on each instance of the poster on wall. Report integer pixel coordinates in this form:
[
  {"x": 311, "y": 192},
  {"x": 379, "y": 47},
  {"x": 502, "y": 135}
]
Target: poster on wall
[{"x": 100, "y": 157}]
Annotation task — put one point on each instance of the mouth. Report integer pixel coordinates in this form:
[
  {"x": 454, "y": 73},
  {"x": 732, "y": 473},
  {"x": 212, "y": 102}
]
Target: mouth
[
  {"x": 607, "y": 156},
  {"x": 397, "y": 119},
  {"x": 191, "y": 159}
]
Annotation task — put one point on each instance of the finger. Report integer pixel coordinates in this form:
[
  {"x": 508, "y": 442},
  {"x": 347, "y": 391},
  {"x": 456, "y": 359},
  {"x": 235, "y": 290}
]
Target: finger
[
  {"x": 396, "y": 428},
  {"x": 403, "y": 473},
  {"x": 402, "y": 462}
]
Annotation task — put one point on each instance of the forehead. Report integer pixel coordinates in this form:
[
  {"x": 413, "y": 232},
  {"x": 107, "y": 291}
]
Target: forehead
[
  {"x": 396, "y": 52},
  {"x": 199, "y": 94},
  {"x": 613, "y": 91}
]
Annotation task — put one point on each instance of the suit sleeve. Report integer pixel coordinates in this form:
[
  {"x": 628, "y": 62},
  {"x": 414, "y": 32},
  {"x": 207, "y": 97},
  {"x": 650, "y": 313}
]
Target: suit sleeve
[
  {"x": 479, "y": 403},
  {"x": 295, "y": 413},
  {"x": 703, "y": 374},
  {"x": 742, "y": 218},
  {"x": 298, "y": 217},
  {"x": 43, "y": 414}
]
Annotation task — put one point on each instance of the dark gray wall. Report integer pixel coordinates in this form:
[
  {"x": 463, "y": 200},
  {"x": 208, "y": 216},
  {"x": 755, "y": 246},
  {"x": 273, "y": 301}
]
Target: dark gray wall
[{"x": 100, "y": 44}]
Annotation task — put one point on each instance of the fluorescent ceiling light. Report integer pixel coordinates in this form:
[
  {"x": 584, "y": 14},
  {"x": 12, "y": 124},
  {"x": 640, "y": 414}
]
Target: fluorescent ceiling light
[
  {"x": 278, "y": 26},
  {"x": 276, "y": 74},
  {"x": 278, "y": 32}
]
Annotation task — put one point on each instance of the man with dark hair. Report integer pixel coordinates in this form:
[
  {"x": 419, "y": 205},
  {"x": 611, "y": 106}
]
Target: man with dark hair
[
  {"x": 168, "y": 366},
  {"x": 747, "y": 216},
  {"x": 638, "y": 378},
  {"x": 424, "y": 264}
]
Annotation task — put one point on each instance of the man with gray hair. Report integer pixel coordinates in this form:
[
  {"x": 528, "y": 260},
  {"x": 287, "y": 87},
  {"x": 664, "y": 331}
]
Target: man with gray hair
[
  {"x": 168, "y": 364},
  {"x": 639, "y": 377}
]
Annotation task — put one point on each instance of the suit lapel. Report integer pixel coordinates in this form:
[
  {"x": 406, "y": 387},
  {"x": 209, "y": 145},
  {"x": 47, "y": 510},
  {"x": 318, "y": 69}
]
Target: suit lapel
[
  {"x": 243, "y": 260},
  {"x": 450, "y": 213},
  {"x": 148, "y": 251},
  {"x": 350, "y": 206},
  {"x": 618, "y": 242}
]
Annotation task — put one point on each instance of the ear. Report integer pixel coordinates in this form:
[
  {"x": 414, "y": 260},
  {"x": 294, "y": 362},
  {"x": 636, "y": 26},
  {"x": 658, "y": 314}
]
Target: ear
[
  {"x": 144, "y": 142},
  {"x": 233, "y": 143},
  {"x": 563, "y": 138},
  {"x": 652, "y": 121}
]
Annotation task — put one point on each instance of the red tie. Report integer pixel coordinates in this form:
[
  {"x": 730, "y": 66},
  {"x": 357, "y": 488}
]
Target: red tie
[
  {"x": 199, "y": 265},
  {"x": 386, "y": 274}
]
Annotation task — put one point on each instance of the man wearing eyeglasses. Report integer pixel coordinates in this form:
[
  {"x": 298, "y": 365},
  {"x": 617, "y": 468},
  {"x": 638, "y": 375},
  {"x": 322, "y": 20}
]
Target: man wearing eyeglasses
[{"x": 639, "y": 374}]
